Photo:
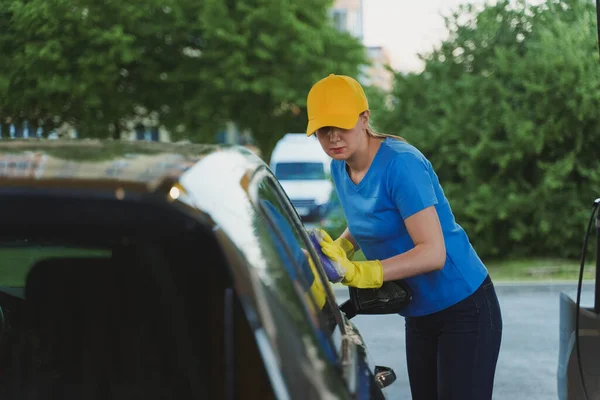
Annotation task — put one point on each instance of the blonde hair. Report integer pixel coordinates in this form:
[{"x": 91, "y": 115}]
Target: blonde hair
[{"x": 373, "y": 133}]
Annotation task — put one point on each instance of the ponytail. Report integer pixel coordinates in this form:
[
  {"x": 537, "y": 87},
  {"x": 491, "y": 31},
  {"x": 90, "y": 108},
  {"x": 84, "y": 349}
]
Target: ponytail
[{"x": 373, "y": 133}]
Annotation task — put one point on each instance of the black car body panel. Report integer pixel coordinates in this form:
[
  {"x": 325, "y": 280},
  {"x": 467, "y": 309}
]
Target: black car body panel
[{"x": 212, "y": 231}]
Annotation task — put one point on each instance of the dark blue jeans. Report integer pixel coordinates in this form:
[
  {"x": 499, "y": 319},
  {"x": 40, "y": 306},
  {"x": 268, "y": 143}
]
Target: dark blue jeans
[{"x": 452, "y": 354}]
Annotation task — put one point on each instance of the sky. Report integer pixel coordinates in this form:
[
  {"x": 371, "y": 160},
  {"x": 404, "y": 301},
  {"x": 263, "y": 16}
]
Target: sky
[{"x": 407, "y": 27}]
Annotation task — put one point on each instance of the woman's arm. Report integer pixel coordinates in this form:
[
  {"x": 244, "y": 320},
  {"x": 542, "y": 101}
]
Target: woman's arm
[
  {"x": 429, "y": 253},
  {"x": 348, "y": 236}
]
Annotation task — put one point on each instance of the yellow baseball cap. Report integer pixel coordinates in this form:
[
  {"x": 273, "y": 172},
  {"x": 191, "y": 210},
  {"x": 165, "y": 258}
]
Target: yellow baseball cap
[{"x": 336, "y": 100}]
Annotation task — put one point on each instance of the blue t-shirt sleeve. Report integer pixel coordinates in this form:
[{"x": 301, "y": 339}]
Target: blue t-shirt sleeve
[{"x": 410, "y": 185}]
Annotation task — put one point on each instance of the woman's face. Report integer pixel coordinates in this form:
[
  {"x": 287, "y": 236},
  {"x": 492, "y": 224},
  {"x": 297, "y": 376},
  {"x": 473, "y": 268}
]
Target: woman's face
[{"x": 341, "y": 144}]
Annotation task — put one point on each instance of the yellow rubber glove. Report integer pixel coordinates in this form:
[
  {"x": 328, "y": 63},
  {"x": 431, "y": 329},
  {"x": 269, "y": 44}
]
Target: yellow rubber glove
[
  {"x": 342, "y": 242},
  {"x": 317, "y": 289},
  {"x": 346, "y": 246},
  {"x": 359, "y": 274}
]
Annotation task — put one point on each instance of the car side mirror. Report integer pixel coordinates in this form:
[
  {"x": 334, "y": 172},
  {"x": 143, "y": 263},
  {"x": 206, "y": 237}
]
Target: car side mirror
[{"x": 384, "y": 376}]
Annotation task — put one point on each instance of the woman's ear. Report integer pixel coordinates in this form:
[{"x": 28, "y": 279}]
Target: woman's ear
[{"x": 366, "y": 115}]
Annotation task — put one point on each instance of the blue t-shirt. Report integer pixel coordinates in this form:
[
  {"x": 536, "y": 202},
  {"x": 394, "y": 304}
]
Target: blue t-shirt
[{"x": 399, "y": 183}]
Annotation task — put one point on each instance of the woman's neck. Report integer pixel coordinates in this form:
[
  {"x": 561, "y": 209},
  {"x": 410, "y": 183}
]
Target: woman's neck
[{"x": 360, "y": 161}]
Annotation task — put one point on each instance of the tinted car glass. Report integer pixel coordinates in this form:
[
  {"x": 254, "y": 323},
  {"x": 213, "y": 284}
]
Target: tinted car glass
[
  {"x": 297, "y": 171},
  {"x": 292, "y": 249},
  {"x": 17, "y": 258},
  {"x": 124, "y": 321}
]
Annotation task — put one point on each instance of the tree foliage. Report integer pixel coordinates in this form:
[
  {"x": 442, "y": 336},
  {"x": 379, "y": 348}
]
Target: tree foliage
[
  {"x": 191, "y": 65},
  {"x": 507, "y": 111},
  {"x": 268, "y": 55}
]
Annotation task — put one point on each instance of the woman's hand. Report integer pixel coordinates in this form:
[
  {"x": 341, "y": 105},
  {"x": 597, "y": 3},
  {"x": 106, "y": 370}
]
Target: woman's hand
[
  {"x": 360, "y": 274},
  {"x": 342, "y": 241},
  {"x": 334, "y": 271},
  {"x": 347, "y": 241},
  {"x": 335, "y": 258}
]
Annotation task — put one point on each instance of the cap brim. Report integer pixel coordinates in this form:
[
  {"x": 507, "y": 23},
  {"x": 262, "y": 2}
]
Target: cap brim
[{"x": 338, "y": 121}]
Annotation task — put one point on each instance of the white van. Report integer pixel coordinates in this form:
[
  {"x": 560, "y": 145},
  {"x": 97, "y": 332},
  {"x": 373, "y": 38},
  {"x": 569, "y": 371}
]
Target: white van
[{"x": 302, "y": 167}]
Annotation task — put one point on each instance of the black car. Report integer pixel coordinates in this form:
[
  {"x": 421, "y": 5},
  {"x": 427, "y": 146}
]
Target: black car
[{"x": 163, "y": 271}]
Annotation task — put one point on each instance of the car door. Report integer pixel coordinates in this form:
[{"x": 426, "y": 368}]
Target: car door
[{"x": 301, "y": 261}]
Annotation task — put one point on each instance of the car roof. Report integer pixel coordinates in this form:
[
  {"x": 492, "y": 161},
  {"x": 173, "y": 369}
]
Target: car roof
[
  {"x": 211, "y": 179},
  {"x": 298, "y": 148},
  {"x": 75, "y": 162}
]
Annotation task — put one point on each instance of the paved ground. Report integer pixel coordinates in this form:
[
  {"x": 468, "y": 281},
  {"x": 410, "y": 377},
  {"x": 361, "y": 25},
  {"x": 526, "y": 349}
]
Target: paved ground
[{"x": 529, "y": 354}]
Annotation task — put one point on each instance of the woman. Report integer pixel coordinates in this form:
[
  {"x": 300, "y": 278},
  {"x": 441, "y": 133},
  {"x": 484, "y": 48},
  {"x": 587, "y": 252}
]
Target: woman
[{"x": 398, "y": 215}]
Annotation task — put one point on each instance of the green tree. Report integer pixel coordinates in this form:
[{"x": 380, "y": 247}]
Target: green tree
[
  {"x": 268, "y": 55},
  {"x": 190, "y": 65},
  {"x": 96, "y": 65},
  {"x": 506, "y": 109}
]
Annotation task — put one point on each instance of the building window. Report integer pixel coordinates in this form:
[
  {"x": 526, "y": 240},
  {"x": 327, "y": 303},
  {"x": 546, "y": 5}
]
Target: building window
[
  {"x": 340, "y": 18},
  {"x": 147, "y": 134}
]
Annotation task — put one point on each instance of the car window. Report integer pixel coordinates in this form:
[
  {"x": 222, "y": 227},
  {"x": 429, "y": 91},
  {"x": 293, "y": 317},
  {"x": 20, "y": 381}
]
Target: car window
[
  {"x": 299, "y": 171},
  {"x": 121, "y": 318},
  {"x": 17, "y": 258},
  {"x": 297, "y": 333},
  {"x": 293, "y": 250}
]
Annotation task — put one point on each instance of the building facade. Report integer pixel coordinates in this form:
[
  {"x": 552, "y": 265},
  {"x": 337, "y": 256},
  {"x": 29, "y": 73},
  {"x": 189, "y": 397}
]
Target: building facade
[
  {"x": 347, "y": 16},
  {"x": 378, "y": 74}
]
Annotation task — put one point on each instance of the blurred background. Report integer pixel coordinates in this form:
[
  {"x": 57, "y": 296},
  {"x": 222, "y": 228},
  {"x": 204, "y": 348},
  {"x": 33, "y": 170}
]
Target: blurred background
[{"x": 502, "y": 97}]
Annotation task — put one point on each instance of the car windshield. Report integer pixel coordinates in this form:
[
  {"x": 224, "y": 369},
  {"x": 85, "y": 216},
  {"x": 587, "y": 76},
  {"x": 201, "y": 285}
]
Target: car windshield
[{"x": 296, "y": 171}]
